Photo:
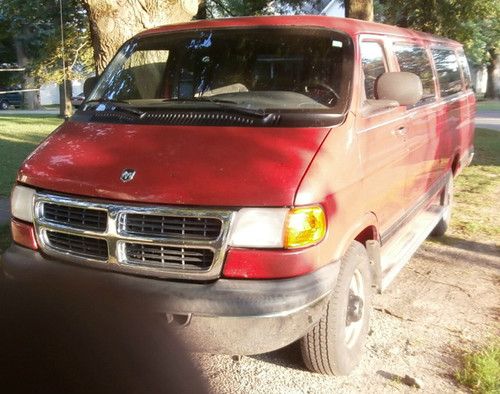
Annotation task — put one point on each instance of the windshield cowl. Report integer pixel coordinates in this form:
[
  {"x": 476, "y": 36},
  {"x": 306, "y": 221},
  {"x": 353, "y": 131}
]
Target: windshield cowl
[{"x": 210, "y": 116}]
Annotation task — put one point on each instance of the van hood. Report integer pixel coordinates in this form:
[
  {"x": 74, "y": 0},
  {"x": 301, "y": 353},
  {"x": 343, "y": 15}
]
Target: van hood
[{"x": 188, "y": 165}]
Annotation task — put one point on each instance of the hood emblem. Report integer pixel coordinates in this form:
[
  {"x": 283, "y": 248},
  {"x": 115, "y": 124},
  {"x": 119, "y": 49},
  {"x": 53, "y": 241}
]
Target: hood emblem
[{"x": 127, "y": 175}]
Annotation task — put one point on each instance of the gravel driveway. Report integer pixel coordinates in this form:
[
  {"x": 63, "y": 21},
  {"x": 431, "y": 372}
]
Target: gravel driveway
[{"x": 445, "y": 300}]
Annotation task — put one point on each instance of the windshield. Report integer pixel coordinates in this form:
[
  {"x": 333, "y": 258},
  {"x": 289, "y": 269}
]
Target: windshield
[{"x": 258, "y": 69}]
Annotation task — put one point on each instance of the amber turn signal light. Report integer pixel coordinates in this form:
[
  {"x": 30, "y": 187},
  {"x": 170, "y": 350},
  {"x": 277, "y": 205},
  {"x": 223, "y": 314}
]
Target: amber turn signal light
[
  {"x": 23, "y": 234},
  {"x": 305, "y": 226}
]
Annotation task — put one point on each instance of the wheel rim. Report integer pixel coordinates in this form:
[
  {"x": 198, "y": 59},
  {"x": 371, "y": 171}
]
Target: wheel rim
[{"x": 355, "y": 309}]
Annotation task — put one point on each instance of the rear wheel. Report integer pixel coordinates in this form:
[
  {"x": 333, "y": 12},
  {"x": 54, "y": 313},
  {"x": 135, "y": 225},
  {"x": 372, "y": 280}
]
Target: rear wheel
[
  {"x": 4, "y": 105},
  {"x": 446, "y": 203},
  {"x": 335, "y": 345}
]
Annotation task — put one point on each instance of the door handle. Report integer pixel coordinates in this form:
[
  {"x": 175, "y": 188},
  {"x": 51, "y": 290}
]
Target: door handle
[{"x": 399, "y": 132}]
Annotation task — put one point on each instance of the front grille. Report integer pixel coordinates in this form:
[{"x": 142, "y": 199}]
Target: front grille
[
  {"x": 82, "y": 218},
  {"x": 172, "y": 226},
  {"x": 154, "y": 240},
  {"x": 78, "y": 245},
  {"x": 168, "y": 257}
]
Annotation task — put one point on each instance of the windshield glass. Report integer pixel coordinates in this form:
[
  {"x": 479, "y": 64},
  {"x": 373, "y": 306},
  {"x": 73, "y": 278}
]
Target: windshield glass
[{"x": 257, "y": 69}]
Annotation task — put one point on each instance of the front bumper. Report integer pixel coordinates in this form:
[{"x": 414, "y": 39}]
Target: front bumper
[{"x": 225, "y": 316}]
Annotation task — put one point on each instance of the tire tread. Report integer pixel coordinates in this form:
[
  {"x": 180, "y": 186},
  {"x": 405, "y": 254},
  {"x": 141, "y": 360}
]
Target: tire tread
[{"x": 315, "y": 344}]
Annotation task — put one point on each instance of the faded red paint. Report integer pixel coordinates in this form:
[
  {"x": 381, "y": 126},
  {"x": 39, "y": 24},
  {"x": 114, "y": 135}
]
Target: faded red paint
[
  {"x": 218, "y": 166},
  {"x": 362, "y": 173}
]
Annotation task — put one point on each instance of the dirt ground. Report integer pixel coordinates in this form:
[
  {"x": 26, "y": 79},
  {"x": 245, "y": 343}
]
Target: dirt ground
[{"x": 443, "y": 302}]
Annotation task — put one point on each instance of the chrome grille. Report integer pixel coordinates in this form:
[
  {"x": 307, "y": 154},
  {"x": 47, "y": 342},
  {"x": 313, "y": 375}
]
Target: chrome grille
[
  {"x": 168, "y": 256},
  {"x": 78, "y": 245},
  {"x": 161, "y": 241},
  {"x": 83, "y": 218},
  {"x": 171, "y": 226}
]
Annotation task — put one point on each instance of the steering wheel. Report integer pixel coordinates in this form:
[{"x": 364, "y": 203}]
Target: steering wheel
[{"x": 309, "y": 87}]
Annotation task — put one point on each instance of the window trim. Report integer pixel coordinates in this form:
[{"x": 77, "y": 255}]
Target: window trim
[
  {"x": 461, "y": 53},
  {"x": 388, "y": 67},
  {"x": 454, "y": 50}
]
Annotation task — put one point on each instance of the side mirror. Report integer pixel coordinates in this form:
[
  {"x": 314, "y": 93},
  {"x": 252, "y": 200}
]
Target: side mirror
[
  {"x": 88, "y": 85},
  {"x": 403, "y": 87}
]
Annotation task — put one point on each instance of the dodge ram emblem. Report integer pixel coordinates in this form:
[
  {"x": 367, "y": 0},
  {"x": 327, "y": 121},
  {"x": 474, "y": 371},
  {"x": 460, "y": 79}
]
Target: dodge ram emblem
[{"x": 127, "y": 175}]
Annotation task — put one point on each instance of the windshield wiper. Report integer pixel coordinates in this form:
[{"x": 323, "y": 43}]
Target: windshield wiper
[
  {"x": 222, "y": 104},
  {"x": 116, "y": 105}
]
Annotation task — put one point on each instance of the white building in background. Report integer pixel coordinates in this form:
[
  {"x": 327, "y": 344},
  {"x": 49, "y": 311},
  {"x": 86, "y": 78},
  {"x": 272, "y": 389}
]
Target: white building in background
[
  {"x": 49, "y": 93},
  {"x": 333, "y": 8}
]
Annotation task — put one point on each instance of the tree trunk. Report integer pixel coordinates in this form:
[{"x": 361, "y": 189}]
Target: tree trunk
[
  {"x": 31, "y": 99},
  {"x": 112, "y": 22},
  {"x": 491, "y": 91},
  {"x": 202, "y": 10},
  {"x": 359, "y": 9},
  {"x": 65, "y": 107}
]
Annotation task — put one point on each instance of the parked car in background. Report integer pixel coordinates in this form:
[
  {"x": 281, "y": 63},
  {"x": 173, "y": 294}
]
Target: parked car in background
[
  {"x": 76, "y": 101},
  {"x": 8, "y": 99},
  {"x": 254, "y": 179}
]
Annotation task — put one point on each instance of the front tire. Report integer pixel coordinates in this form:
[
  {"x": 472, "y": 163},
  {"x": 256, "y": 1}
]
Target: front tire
[
  {"x": 4, "y": 105},
  {"x": 334, "y": 346}
]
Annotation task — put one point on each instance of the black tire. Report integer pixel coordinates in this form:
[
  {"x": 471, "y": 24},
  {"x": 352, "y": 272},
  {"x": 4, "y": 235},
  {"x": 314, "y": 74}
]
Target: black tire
[
  {"x": 326, "y": 349},
  {"x": 4, "y": 105},
  {"x": 447, "y": 204}
]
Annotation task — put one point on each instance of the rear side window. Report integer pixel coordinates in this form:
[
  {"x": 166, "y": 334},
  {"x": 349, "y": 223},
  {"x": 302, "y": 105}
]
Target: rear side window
[
  {"x": 464, "y": 65},
  {"x": 414, "y": 59},
  {"x": 450, "y": 80},
  {"x": 373, "y": 61}
]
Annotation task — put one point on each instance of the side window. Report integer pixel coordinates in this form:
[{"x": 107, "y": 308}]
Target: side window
[
  {"x": 414, "y": 59},
  {"x": 373, "y": 62},
  {"x": 450, "y": 81},
  {"x": 464, "y": 65}
]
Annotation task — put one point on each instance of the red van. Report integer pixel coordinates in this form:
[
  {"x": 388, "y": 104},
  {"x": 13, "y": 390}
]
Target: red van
[{"x": 255, "y": 178}]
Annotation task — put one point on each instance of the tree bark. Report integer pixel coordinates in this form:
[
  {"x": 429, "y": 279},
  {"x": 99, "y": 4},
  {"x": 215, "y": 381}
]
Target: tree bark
[
  {"x": 202, "y": 10},
  {"x": 31, "y": 99},
  {"x": 112, "y": 22},
  {"x": 359, "y": 9},
  {"x": 491, "y": 91},
  {"x": 65, "y": 107}
]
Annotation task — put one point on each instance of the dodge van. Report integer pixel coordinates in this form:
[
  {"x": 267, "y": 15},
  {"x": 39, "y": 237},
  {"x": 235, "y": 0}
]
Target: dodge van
[{"x": 255, "y": 180}]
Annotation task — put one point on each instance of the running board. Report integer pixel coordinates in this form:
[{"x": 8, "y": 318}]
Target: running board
[{"x": 396, "y": 253}]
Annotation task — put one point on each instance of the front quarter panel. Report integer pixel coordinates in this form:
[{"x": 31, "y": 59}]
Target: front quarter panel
[{"x": 334, "y": 179}]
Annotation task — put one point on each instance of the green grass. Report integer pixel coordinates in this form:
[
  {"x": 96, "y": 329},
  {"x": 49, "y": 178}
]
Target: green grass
[
  {"x": 481, "y": 370},
  {"x": 489, "y": 105},
  {"x": 19, "y": 135},
  {"x": 476, "y": 214}
]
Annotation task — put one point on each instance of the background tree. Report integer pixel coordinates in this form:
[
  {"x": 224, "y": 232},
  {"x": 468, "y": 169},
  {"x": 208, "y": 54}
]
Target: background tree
[
  {"x": 359, "y": 9},
  {"x": 228, "y": 8},
  {"x": 112, "y": 22},
  {"x": 474, "y": 23},
  {"x": 35, "y": 28},
  {"x": 8, "y": 58}
]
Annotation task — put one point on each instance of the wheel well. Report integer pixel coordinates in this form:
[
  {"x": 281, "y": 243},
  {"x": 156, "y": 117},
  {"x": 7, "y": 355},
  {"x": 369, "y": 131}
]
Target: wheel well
[{"x": 369, "y": 233}]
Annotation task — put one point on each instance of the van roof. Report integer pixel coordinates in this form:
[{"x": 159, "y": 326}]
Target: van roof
[{"x": 352, "y": 27}]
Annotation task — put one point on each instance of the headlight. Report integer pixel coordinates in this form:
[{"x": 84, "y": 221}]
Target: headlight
[
  {"x": 259, "y": 228},
  {"x": 21, "y": 203},
  {"x": 278, "y": 227}
]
